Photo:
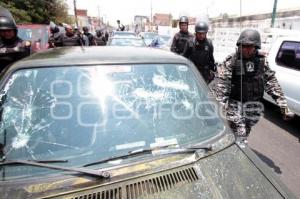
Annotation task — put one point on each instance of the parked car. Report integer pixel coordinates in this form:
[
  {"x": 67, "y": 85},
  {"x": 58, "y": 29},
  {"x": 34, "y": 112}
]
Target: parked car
[
  {"x": 284, "y": 59},
  {"x": 160, "y": 42},
  {"x": 123, "y": 33},
  {"x": 126, "y": 41},
  {"x": 148, "y": 36},
  {"x": 120, "y": 122},
  {"x": 37, "y": 34}
]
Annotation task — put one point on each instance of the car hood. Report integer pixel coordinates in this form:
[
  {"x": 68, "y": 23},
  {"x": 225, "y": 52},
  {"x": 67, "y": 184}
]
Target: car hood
[{"x": 229, "y": 173}]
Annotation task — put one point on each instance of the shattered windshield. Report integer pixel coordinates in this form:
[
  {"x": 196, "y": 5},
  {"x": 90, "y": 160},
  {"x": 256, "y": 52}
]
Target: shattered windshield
[{"x": 83, "y": 114}]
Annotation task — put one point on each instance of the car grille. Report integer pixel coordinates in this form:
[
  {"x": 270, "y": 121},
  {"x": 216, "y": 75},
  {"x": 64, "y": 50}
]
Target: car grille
[
  {"x": 142, "y": 186},
  {"x": 160, "y": 184}
]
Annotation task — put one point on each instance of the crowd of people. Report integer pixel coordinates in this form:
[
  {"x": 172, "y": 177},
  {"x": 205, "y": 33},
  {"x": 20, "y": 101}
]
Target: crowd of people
[
  {"x": 239, "y": 87},
  {"x": 66, "y": 35}
]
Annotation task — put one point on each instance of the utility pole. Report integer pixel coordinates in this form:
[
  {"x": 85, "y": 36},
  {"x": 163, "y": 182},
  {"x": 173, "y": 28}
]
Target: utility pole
[
  {"x": 274, "y": 13},
  {"x": 99, "y": 16},
  {"x": 151, "y": 17},
  {"x": 75, "y": 12}
]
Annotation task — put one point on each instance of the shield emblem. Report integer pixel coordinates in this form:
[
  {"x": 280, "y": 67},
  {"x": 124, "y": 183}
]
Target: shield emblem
[{"x": 250, "y": 67}]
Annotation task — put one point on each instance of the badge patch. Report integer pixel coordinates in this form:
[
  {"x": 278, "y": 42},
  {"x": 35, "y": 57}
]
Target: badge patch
[{"x": 250, "y": 66}]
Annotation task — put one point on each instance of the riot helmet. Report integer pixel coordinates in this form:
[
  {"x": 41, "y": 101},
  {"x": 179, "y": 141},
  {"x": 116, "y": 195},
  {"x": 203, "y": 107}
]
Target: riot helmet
[
  {"x": 249, "y": 37},
  {"x": 85, "y": 29},
  {"x": 201, "y": 26},
  {"x": 183, "y": 19},
  {"x": 7, "y": 21}
]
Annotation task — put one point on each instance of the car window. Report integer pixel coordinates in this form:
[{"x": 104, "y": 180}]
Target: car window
[
  {"x": 122, "y": 33},
  {"x": 289, "y": 55},
  {"x": 149, "y": 35},
  {"x": 126, "y": 42},
  {"x": 84, "y": 114}
]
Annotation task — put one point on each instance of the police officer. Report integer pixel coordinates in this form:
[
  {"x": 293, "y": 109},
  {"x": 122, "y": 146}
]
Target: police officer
[
  {"x": 57, "y": 33},
  {"x": 182, "y": 37},
  {"x": 121, "y": 27},
  {"x": 100, "y": 39},
  {"x": 244, "y": 78},
  {"x": 89, "y": 36},
  {"x": 200, "y": 51},
  {"x": 72, "y": 39},
  {"x": 12, "y": 48}
]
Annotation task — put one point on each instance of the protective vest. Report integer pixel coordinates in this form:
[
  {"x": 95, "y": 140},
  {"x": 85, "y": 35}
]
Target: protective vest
[
  {"x": 248, "y": 80},
  {"x": 74, "y": 40},
  {"x": 100, "y": 41},
  {"x": 90, "y": 38},
  {"x": 10, "y": 53},
  {"x": 201, "y": 55},
  {"x": 182, "y": 39}
]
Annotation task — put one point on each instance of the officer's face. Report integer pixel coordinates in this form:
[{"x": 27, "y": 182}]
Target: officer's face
[
  {"x": 7, "y": 34},
  {"x": 69, "y": 30},
  {"x": 248, "y": 51},
  {"x": 183, "y": 27},
  {"x": 200, "y": 36}
]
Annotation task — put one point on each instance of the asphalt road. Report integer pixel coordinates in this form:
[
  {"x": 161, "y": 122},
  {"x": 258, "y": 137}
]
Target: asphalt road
[{"x": 277, "y": 143}]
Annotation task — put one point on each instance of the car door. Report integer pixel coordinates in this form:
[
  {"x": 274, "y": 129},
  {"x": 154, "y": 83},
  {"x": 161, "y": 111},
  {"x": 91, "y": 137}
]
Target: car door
[{"x": 284, "y": 59}]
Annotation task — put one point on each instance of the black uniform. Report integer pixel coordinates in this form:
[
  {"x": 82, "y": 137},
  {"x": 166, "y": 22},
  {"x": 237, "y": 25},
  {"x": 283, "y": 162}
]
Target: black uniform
[
  {"x": 90, "y": 38},
  {"x": 180, "y": 40},
  {"x": 11, "y": 51},
  {"x": 100, "y": 41},
  {"x": 201, "y": 54},
  {"x": 55, "y": 40},
  {"x": 72, "y": 40}
]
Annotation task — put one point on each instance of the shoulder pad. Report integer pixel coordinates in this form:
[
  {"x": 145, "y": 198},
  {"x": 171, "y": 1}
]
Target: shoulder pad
[
  {"x": 177, "y": 35},
  {"x": 261, "y": 54}
]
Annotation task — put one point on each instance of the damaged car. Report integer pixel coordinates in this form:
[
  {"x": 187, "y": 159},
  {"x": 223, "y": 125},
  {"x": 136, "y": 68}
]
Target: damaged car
[{"x": 122, "y": 123}]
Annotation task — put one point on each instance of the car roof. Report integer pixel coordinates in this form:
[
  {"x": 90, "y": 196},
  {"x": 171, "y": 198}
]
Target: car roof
[
  {"x": 125, "y": 37},
  {"x": 64, "y": 56},
  {"x": 124, "y": 32}
]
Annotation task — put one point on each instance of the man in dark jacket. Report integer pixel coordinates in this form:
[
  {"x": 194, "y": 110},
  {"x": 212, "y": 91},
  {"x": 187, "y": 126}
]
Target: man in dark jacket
[
  {"x": 182, "y": 37},
  {"x": 89, "y": 35},
  {"x": 100, "y": 38},
  {"x": 245, "y": 76},
  {"x": 200, "y": 51},
  {"x": 12, "y": 48},
  {"x": 72, "y": 39},
  {"x": 57, "y": 33}
]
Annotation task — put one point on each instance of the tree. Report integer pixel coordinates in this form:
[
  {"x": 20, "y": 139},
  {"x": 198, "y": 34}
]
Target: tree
[{"x": 37, "y": 11}]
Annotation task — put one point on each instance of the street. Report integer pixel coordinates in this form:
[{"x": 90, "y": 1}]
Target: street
[{"x": 277, "y": 143}]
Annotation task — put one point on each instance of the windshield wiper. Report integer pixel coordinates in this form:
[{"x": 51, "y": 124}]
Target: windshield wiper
[
  {"x": 94, "y": 173},
  {"x": 162, "y": 150}
]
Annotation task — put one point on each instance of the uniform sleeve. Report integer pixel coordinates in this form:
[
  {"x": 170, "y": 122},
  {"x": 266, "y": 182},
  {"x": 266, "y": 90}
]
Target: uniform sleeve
[
  {"x": 211, "y": 58},
  {"x": 223, "y": 87},
  {"x": 273, "y": 88},
  {"x": 187, "y": 49},
  {"x": 174, "y": 43}
]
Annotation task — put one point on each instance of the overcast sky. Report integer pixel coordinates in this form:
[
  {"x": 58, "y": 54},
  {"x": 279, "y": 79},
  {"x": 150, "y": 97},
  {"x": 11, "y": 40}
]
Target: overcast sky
[{"x": 125, "y": 10}]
